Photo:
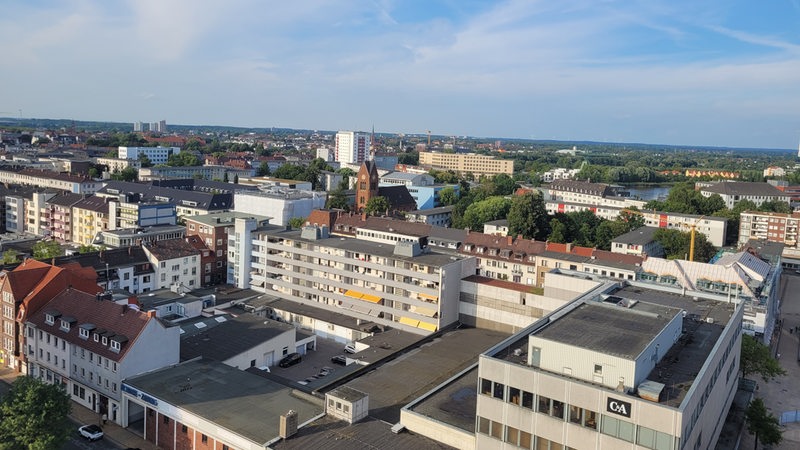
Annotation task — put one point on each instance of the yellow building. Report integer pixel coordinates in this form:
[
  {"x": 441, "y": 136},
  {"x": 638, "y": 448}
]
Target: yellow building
[
  {"x": 466, "y": 163},
  {"x": 89, "y": 217}
]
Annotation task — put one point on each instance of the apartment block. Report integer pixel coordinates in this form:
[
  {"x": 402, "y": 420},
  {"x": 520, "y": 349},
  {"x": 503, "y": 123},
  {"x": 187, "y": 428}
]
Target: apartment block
[
  {"x": 397, "y": 285},
  {"x": 463, "y": 163},
  {"x": 156, "y": 155},
  {"x": 775, "y": 227},
  {"x": 89, "y": 217}
]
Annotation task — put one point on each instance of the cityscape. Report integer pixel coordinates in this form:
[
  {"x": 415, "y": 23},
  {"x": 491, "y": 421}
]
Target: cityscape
[{"x": 432, "y": 225}]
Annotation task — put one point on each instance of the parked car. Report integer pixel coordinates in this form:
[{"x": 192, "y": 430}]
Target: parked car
[
  {"x": 339, "y": 359},
  {"x": 91, "y": 432},
  {"x": 350, "y": 348},
  {"x": 290, "y": 360}
]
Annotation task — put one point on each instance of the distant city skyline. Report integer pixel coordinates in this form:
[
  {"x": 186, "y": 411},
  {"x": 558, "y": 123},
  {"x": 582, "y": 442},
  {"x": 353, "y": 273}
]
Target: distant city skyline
[{"x": 722, "y": 74}]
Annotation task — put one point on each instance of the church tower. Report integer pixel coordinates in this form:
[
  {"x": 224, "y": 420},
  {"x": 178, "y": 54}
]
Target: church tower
[{"x": 367, "y": 184}]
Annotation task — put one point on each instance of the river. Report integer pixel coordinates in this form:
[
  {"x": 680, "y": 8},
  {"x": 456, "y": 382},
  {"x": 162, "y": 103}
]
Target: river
[{"x": 645, "y": 192}]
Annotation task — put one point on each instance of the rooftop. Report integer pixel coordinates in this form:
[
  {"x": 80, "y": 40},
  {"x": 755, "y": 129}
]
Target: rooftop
[
  {"x": 639, "y": 236},
  {"x": 225, "y": 336},
  {"x": 224, "y": 218},
  {"x": 234, "y": 400}
]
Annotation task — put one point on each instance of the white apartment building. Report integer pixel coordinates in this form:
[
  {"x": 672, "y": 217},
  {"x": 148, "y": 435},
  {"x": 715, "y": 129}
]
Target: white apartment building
[
  {"x": 732, "y": 192},
  {"x": 118, "y": 165},
  {"x": 397, "y": 285},
  {"x": 90, "y": 346},
  {"x": 280, "y": 204},
  {"x": 648, "y": 370},
  {"x": 352, "y": 147},
  {"x": 156, "y": 155},
  {"x": 176, "y": 263},
  {"x": 775, "y": 227},
  {"x": 53, "y": 180},
  {"x": 586, "y": 193}
]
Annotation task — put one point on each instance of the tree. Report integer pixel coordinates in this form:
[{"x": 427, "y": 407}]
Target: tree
[
  {"x": 263, "y": 169},
  {"x": 775, "y": 206},
  {"x": 10, "y": 256},
  {"x": 183, "y": 159},
  {"x": 297, "y": 222},
  {"x": 480, "y": 212},
  {"x": 559, "y": 231},
  {"x": 236, "y": 178},
  {"x": 126, "y": 174},
  {"x": 145, "y": 161},
  {"x": 504, "y": 184},
  {"x": 528, "y": 216},
  {"x": 762, "y": 424},
  {"x": 34, "y": 415},
  {"x": 87, "y": 248},
  {"x": 677, "y": 244},
  {"x": 94, "y": 173},
  {"x": 448, "y": 196},
  {"x": 47, "y": 250},
  {"x": 377, "y": 205},
  {"x": 756, "y": 358},
  {"x": 225, "y": 177},
  {"x": 337, "y": 199}
]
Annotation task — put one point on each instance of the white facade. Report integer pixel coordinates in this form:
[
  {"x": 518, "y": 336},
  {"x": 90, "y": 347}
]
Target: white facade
[
  {"x": 156, "y": 155},
  {"x": 352, "y": 147},
  {"x": 183, "y": 270},
  {"x": 278, "y": 203}
]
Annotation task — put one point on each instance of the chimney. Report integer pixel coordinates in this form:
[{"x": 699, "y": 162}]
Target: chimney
[
  {"x": 363, "y": 216},
  {"x": 569, "y": 247},
  {"x": 510, "y": 240},
  {"x": 151, "y": 313}
]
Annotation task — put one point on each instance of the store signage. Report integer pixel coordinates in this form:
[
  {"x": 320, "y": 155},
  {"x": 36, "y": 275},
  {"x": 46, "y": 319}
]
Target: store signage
[{"x": 618, "y": 407}]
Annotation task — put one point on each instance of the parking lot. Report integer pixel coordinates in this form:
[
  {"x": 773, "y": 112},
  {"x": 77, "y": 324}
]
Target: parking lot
[{"x": 313, "y": 362}]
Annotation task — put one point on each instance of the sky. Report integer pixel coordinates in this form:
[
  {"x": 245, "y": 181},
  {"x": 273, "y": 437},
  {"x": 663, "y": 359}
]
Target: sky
[{"x": 705, "y": 73}]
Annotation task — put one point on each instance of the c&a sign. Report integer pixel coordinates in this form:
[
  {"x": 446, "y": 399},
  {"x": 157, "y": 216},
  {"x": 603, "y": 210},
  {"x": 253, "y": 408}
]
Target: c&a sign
[{"x": 618, "y": 407}]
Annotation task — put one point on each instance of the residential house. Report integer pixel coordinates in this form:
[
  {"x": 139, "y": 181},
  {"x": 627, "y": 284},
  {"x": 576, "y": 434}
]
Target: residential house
[
  {"x": 90, "y": 346},
  {"x": 59, "y": 210},
  {"x": 89, "y": 217},
  {"x": 176, "y": 263}
]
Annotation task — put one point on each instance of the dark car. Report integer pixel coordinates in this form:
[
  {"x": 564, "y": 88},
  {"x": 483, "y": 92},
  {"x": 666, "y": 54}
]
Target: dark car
[
  {"x": 290, "y": 360},
  {"x": 339, "y": 359}
]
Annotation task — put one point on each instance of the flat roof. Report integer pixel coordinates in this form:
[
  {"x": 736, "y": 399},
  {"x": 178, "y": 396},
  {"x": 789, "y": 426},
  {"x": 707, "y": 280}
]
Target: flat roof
[
  {"x": 235, "y": 400},
  {"x": 455, "y": 404},
  {"x": 222, "y": 337},
  {"x": 397, "y": 382},
  {"x": 428, "y": 258},
  {"x": 226, "y": 218},
  {"x": 368, "y": 434},
  {"x": 610, "y": 329}
]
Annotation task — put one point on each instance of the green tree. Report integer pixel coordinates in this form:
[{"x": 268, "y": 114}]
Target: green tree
[
  {"x": 558, "y": 231},
  {"x": 47, "y": 250},
  {"x": 87, "y": 249},
  {"x": 528, "y": 216},
  {"x": 126, "y": 174},
  {"x": 236, "y": 178},
  {"x": 288, "y": 171},
  {"x": 337, "y": 199},
  {"x": 775, "y": 206},
  {"x": 677, "y": 244},
  {"x": 480, "y": 212},
  {"x": 756, "y": 358},
  {"x": 297, "y": 222},
  {"x": 10, "y": 256},
  {"x": 225, "y": 177},
  {"x": 504, "y": 184},
  {"x": 448, "y": 196},
  {"x": 263, "y": 169},
  {"x": 34, "y": 415},
  {"x": 145, "y": 161},
  {"x": 762, "y": 424},
  {"x": 377, "y": 205},
  {"x": 93, "y": 173},
  {"x": 183, "y": 159}
]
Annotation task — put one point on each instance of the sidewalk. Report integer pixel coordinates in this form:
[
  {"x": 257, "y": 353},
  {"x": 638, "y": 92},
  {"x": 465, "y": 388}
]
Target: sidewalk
[{"x": 114, "y": 433}]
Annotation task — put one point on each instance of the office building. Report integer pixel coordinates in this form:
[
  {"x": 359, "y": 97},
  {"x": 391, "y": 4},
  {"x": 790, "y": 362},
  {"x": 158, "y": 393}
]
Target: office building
[
  {"x": 463, "y": 163},
  {"x": 156, "y": 155}
]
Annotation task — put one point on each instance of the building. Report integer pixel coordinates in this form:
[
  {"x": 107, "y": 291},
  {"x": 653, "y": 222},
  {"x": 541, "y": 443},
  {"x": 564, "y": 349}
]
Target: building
[
  {"x": 89, "y": 217},
  {"x": 156, "y": 155},
  {"x": 649, "y": 369},
  {"x": 128, "y": 237},
  {"x": 126, "y": 269},
  {"x": 211, "y": 173},
  {"x": 130, "y": 212},
  {"x": 279, "y": 204},
  {"x": 463, "y": 163},
  {"x": 116, "y": 165},
  {"x": 352, "y": 147},
  {"x": 743, "y": 277},
  {"x": 397, "y": 285},
  {"x": 639, "y": 242},
  {"x": 204, "y": 404},
  {"x": 367, "y": 187},
  {"x": 559, "y": 173},
  {"x": 212, "y": 230},
  {"x": 775, "y": 227},
  {"x": 732, "y": 192},
  {"x": 440, "y": 217},
  {"x": 46, "y": 179},
  {"x": 26, "y": 289},
  {"x": 421, "y": 187},
  {"x": 90, "y": 346},
  {"x": 59, "y": 218},
  {"x": 564, "y": 192},
  {"x": 176, "y": 263}
]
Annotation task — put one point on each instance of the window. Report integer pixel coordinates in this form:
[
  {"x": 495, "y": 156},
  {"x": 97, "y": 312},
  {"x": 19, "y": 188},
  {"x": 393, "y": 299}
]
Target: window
[
  {"x": 498, "y": 391},
  {"x": 617, "y": 428},
  {"x": 514, "y": 396},
  {"x": 166, "y": 419},
  {"x": 84, "y": 333},
  {"x": 204, "y": 439},
  {"x": 184, "y": 429}
]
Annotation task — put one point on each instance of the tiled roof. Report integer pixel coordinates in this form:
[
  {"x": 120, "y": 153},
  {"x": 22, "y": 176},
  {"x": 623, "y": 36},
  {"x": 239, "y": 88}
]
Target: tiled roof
[
  {"x": 170, "y": 249},
  {"x": 65, "y": 199},
  {"x": 93, "y": 203},
  {"x": 585, "y": 187},
  {"x": 744, "y": 188},
  {"x": 54, "y": 175},
  {"x": 202, "y": 200},
  {"x": 116, "y": 322}
]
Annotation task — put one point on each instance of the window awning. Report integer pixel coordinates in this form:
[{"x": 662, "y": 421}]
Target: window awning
[
  {"x": 409, "y": 321},
  {"x": 427, "y": 326},
  {"x": 423, "y": 311}
]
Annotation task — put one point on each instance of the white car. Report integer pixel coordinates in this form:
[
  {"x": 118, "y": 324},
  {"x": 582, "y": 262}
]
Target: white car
[
  {"x": 91, "y": 432},
  {"x": 350, "y": 348}
]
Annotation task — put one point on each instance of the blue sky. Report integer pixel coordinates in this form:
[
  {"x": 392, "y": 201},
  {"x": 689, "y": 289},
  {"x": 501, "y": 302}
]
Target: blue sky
[{"x": 719, "y": 73}]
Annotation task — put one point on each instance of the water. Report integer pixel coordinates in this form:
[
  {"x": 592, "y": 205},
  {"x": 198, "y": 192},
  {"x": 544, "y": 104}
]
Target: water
[{"x": 649, "y": 192}]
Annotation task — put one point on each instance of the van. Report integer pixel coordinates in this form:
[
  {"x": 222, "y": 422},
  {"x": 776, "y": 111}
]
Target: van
[{"x": 290, "y": 360}]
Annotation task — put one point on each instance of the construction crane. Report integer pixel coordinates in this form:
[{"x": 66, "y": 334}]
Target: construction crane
[{"x": 693, "y": 227}]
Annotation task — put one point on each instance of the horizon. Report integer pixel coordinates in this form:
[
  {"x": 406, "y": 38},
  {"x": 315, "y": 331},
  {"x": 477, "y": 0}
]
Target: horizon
[{"x": 716, "y": 74}]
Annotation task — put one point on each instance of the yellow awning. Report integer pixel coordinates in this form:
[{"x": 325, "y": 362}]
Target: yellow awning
[
  {"x": 424, "y": 311},
  {"x": 371, "y": 298},
  {"x": 408, "y": 321},
  {"x": 427, "y": 326},
  {"x": 352, "y": 293},
  {"x": 429, "y": 297}
]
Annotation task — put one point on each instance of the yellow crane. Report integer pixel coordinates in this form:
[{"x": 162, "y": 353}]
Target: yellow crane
[{"x": 692, "y": 226}]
